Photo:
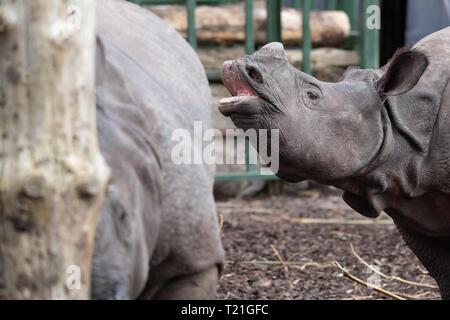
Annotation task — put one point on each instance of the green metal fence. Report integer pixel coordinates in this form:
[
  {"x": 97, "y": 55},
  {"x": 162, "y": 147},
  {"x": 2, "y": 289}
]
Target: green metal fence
[{"x": 362, "y": 38}]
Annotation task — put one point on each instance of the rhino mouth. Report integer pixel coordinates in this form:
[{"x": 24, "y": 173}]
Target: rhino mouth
[{"x": 237, "y": 84}]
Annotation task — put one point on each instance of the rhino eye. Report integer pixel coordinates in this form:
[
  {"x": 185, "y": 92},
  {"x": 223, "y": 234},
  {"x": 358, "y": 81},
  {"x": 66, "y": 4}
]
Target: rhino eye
[{"x": 313, "y": 95}]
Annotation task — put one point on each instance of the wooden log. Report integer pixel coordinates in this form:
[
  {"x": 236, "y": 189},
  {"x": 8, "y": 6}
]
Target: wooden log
[
  {"x": 52, "y": 175},
  {"x": 321, "y": 58},
  {"x": 225, "y": 24}
]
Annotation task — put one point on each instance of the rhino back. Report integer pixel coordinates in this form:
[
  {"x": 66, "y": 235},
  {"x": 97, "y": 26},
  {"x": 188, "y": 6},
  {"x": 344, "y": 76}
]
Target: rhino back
[
  {"x": 173, "y": 71},
  {"x": 150, "y": 83}
]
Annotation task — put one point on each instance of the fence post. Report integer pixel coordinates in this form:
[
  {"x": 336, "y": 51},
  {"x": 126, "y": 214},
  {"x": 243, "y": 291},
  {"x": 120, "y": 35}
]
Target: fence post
[
  {"x": 273, "y": 20},
  {"x": 306, "y": 45},
  {"x": 249, "y": 49},
  {"x": 348, "y": 6},
  {"x": 329, "y": 4},
  {"x": 192, "y": 36},
  {"x": 249, "y": 32}
]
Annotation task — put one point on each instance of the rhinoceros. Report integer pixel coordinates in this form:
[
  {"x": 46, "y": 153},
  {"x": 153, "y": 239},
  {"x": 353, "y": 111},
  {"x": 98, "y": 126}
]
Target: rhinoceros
[
  {"x": 383, "y": 136},
  {"x": 157, "y": 235}
]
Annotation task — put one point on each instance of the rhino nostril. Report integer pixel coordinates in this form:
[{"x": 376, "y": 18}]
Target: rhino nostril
[
  {"x": 254, "y": 74},
  {"x": 228, "y": 64}
]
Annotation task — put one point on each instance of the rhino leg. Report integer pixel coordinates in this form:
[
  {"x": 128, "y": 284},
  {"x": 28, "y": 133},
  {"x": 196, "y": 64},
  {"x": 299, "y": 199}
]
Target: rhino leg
[
  {"x": 198, "y": 286},
  {"x": 434, "y": 253}
]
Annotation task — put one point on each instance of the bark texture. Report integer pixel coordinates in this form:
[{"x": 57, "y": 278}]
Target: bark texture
[{"x": 52, "y": 175}]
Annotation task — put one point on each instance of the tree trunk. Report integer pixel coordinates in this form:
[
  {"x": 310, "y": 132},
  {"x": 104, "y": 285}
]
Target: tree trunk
[{"x": 52, "y": 175}]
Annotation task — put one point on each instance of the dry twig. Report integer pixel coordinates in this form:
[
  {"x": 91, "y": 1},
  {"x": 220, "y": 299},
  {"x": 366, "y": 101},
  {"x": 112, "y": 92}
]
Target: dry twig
[
  {"x": 358, "y": 298},
  {"x": 378, "y": 289},
  {"x": 244, "y": 210},
  {"x": 416, "y": 296},
  {"x": 221, "y": 222},
  {"x": 337, "y": 221},
  {"x": 295, "y": 264},
  {"x": 395, "y": 278},
  {"x": 278, "y": 255},
  {"x": 425, "y": 272},
  {"x": 265, "y": 220},
  {"x": 268, "y": 262},
  {"x": 320, "y": 221},
  {"x": 300, "y": 265}
]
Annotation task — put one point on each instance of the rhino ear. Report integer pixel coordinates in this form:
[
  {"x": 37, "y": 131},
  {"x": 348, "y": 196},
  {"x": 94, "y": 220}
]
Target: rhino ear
[{"x": 403, "y": 72}]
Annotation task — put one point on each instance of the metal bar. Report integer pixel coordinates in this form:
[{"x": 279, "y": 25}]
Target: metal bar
[
  {"x": 348, "y": 6},
  {"x": 243, "y": 175},
  {"x": 296, "y": 4},
  {"x": 157, "y": 2},
  {"x": 250, "y": 153},
  {"x": 214, "y": 75},
  {"x": 192, "y": 37},
  {"x": 249, "y": 49},
  {"x": 273, "y": 20},
  {"x": 369, "y": 40},
  {"x": 249, "y": 31},
  {"x": 306, "y": 45},
  {"x": 182, "y": 2},
  {"x": 329, "y": 4}
]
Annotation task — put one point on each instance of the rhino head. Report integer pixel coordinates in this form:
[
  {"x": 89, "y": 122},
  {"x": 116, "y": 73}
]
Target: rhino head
[{"x": 328, "y": 131}]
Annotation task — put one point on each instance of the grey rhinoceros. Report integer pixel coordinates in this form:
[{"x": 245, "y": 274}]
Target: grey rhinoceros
[
  {"x": 157, "y": 235},
  {"x": 383, "y": 136}
]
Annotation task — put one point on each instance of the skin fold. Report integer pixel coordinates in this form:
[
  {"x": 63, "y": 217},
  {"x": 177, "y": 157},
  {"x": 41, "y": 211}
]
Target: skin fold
[{"x": 383, "y": 136}]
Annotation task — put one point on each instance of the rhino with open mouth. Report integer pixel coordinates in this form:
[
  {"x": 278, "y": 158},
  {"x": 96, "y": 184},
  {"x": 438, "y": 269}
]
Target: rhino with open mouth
[{"x": 383, "y": 136}]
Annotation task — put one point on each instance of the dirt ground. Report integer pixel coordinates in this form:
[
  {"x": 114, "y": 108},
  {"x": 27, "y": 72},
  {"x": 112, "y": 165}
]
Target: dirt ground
[{"x": 273, "y": 252}]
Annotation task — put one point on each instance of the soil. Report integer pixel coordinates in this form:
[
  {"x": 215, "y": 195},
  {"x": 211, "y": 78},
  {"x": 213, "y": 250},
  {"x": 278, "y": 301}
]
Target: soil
[{"x": 272, "y": 254}]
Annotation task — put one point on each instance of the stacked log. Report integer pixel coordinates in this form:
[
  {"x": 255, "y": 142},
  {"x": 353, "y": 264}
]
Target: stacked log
[
  {"x": 321, "y": 58},
  {"x": 226, "y": 24}
]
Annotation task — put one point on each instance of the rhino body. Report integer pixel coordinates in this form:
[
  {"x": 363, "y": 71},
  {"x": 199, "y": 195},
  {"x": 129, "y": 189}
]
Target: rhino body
[
  {"x": 157, "y": 235},
  {"x": 383, "y": 136}
]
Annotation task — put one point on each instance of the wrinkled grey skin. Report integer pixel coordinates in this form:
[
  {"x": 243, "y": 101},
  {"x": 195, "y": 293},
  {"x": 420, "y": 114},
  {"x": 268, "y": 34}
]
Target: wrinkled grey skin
[
  {"x": 382, "y": 135},
  {"x": 157, "y": 235}
]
